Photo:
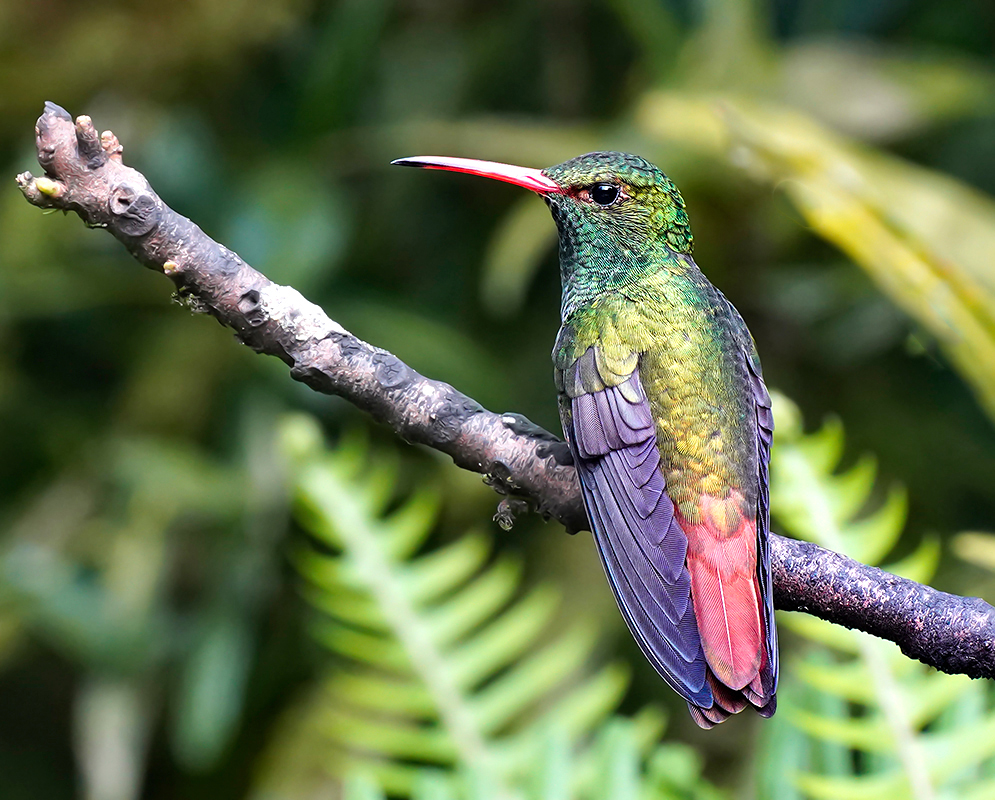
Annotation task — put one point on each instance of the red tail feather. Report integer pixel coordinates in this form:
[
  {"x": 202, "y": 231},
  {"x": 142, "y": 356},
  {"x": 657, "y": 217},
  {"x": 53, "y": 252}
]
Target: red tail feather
[{"x": 722, "y": 560}]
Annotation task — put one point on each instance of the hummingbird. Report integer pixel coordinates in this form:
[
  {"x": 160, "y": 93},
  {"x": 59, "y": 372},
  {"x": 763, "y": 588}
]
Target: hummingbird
[{"x": 666, "y": 414}]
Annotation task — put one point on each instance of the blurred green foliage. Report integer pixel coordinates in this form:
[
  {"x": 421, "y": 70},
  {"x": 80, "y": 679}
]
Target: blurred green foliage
[
  {"x": 876, "y": 723},
  {"x": 452, "y": 682},
  {"x": 837, "y": 163}
]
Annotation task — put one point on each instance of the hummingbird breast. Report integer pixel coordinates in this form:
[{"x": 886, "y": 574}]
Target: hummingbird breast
[{"x": 688, "y": 339}]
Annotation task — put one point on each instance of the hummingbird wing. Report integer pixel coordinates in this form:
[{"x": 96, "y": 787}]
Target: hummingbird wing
[{"x": 609, "y": 426}]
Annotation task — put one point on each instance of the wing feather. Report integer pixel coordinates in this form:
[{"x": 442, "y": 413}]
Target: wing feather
[{"x": 642, "y": 546}]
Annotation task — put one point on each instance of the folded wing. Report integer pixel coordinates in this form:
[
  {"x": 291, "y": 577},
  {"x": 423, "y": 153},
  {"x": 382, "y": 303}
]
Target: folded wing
[{"x": 642, "y": 546}]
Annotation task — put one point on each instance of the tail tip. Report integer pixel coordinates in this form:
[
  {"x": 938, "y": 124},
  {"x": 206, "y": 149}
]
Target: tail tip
[{"x": 715, "y": 714}]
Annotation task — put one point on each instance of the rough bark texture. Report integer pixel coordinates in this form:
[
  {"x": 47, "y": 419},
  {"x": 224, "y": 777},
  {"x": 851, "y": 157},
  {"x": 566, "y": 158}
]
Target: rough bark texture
[{"x": 84, "y": 173}]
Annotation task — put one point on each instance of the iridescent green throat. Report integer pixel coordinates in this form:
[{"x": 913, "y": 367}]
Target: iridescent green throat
[{"x": 607, "y": 248}]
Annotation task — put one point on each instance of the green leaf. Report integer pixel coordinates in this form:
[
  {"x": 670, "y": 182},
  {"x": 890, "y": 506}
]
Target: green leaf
[
  {"x": 552, "y": 768},
  {"x": 976, "y": 547},
  {"x": 619, "y": 767},
  {"x": 874, "y": 536},
  {"x": 212, "y": 691},
  {"x": 478, "y": 602},
  {"x": 361, "y": 787}
]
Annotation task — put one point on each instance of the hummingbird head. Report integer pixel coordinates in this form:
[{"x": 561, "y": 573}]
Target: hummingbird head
[
  {"x": 618, "y": 215},
  {"x": 621, "y": 200}
]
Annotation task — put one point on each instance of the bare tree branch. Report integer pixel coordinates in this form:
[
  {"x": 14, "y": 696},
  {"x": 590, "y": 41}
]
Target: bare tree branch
[{"x": 84, "y": 173}]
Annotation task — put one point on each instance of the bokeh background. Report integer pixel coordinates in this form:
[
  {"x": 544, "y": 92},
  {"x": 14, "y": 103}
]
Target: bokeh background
[{"x": 199, "y": 599}]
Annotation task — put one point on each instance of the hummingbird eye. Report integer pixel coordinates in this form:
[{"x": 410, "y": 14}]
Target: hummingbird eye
[{"x": 604, "y": 194}]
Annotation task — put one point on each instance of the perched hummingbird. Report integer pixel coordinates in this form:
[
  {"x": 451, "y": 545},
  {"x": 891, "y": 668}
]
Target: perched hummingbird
[{"x": 665, "y": 410}]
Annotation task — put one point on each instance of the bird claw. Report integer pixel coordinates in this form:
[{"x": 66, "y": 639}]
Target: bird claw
[{"x": 507, "y": 510}]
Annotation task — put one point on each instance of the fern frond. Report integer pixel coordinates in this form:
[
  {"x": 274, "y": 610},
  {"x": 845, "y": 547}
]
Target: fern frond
[
  {"x": 888, "y": 715},
  {"x": 454, "y": 681}
]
